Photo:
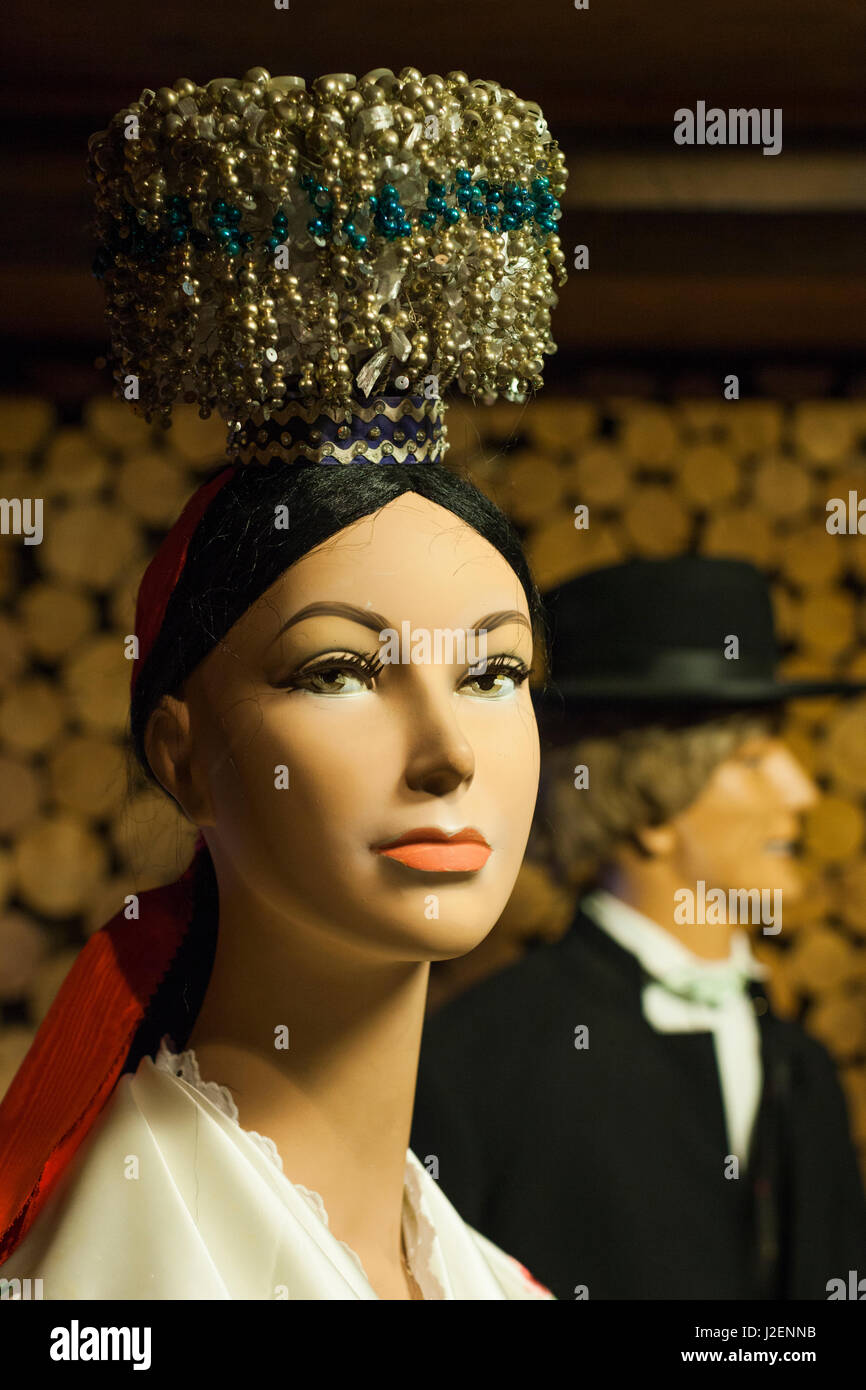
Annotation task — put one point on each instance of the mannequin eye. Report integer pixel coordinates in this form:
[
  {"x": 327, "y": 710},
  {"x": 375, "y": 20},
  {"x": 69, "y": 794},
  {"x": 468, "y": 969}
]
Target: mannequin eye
[
  {"x": 501, "y": 678},
  {"x": 344, "y": 673}
]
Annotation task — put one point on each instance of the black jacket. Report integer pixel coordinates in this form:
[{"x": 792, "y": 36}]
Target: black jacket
[{"x": 603, "y": 1169}]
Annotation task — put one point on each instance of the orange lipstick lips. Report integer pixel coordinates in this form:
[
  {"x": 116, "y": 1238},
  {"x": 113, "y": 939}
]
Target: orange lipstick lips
[{"x": 434, "y": 852}]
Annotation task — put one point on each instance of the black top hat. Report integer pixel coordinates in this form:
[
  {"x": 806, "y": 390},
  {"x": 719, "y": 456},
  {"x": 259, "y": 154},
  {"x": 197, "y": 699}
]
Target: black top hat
[{"x": 657, "y": 631}]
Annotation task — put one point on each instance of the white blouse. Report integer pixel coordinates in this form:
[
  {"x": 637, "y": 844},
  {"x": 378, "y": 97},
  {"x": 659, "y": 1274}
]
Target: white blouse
[{"x": 168, "y": 1198}]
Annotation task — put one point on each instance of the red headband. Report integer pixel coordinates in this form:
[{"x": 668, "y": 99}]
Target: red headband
[{"x": 166, "y": 567}]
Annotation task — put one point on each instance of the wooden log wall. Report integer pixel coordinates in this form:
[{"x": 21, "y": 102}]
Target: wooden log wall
[{"x": 78, "y": 827}]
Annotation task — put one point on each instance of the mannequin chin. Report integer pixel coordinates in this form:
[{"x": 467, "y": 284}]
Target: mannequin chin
[{"x": 300, "y": 758}]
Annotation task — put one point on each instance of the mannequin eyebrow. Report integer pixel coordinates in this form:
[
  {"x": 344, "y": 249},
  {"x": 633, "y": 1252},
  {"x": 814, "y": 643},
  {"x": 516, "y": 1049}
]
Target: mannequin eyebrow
[
  {"x": 376, "y": 623},
  {"x": 365, "y": 616},
  {"x": 494, "y": 620}
]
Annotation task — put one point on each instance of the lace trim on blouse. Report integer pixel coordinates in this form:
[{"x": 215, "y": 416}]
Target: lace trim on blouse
[{"x": 418, "y": 1230}]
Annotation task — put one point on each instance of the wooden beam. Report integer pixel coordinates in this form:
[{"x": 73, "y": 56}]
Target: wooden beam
[{"x": 717, "y": 179}]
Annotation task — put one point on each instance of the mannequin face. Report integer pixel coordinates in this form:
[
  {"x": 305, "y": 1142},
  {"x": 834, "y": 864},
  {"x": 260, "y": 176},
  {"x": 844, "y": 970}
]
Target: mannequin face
[
  {"x": 740, "y": 831},
  {"x": 370, "y": 754}
]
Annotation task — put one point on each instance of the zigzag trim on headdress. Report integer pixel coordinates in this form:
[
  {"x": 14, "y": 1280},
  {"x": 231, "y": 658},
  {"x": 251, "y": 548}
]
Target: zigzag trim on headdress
[
  {"x": 380, "y": 405},
  {"x": 390, "y": 429}
]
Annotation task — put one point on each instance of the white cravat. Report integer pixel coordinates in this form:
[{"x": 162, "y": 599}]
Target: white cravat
[{"x": 690, "y": 994}]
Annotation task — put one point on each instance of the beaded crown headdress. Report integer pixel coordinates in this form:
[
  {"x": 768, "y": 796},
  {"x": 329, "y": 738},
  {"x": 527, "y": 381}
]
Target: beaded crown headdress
[{"x": 319, "y": 264}]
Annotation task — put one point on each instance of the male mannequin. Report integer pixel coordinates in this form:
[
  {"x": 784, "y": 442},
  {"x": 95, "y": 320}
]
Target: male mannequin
[{"x": 622, "y": 1109}]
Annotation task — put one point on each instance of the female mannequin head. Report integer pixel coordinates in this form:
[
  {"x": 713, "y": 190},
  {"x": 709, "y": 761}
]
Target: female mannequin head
[
  {"x": 292, "y": 757},
  {"x": 320, "y": 264}
]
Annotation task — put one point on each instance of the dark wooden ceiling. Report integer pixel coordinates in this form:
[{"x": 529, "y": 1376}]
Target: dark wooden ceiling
[
  {"x": 619, "y": 64},
  {"x": 692, "y": 251}
]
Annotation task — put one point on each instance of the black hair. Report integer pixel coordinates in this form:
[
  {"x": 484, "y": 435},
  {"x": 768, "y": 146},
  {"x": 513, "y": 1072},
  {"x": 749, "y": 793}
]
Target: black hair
[{"x": 237, "y": 552}]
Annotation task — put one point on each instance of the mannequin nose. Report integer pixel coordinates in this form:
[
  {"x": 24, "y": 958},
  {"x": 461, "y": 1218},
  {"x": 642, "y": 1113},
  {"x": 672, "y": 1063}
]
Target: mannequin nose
[
  {"x": 441, "y": 757},
  {"x": 444, "y": 778},
  {"x": 793, "y": 781}
]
